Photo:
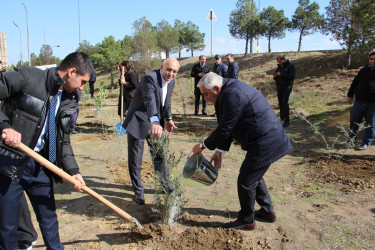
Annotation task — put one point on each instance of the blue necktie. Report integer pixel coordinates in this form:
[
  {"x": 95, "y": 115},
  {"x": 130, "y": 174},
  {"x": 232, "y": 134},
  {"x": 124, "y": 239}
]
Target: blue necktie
[{"x": 51, "y": 130}]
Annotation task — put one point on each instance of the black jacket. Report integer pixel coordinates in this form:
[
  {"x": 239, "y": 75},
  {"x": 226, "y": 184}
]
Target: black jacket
[
  {"x": 288, "y": 73},
  {"x": 233, "y": 71},
  {"x": 363, "y": 85},
  {"x": 25, "y": 95},
  {"x": 196, "y": 70},
  {"x": 220, "y": 69},
  {"x": 244, "y": 114}
]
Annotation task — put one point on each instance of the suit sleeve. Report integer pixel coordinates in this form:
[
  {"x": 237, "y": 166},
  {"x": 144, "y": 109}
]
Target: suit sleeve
[
  {"x": 194, "y": 72},
  {"x": 289, "y": 74},
  {"x": 354, "y": 84},
  {"x": 236, "y": 72},
  {"x": 224, "y": 70},
  {"x": 221, "y": 137}
]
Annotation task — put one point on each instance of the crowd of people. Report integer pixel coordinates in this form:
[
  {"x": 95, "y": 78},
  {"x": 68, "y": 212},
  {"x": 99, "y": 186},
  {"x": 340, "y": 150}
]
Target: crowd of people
[{"x": 47, "y": 109}]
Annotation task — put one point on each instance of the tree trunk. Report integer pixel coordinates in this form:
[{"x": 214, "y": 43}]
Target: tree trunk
[
  {"x": 269, "y": 44},
  {"x": 247, "y": 40},
  {"x": 166, "y": 54},
  {"x": 300, "y": 40},
  {"x": 112, "y": 77},
  {"x": 349, "y": 56},
  {"x": 192, "y": 53},
  {"x": 179, "y": 53},
  {"x": 251, "y": 45}
]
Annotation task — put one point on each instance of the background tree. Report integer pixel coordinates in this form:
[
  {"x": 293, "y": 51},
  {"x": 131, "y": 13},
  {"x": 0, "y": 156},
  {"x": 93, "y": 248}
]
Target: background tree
[
  {"x": 87, "y": 48},
  {"x": 192, "y": 38},
  {"x": 306, "y": 20},
  {"x": 180, "y": 26},
  {"x": 352, "y": 24},
  {"x": 145, "y": 48},
  {"x": 167, "y": 37},
  {"x": 274, "y": 24},
  {"x": 244, "y": 23},
  {"x": 110, "y": 52},
  {"x": 45, "y": 57}
]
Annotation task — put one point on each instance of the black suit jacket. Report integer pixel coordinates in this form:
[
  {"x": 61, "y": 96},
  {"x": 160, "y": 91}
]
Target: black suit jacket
[
  {"x": 244, "y": 114},
  {"x": 147, "y": 102}
]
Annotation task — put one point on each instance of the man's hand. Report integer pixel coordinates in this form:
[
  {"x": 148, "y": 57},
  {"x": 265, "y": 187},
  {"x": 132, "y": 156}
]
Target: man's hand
[
  {"x": 156, "y": 130},
  {"x": 201, "y": 74},
  {"x": 169, "y": 126},
  {"x": 350, "y": 100},
  {"x": 216, "y": 158},
  {"x": 79, "y": 178},
  {"x": 197, "y": 149},
  {"x": 11, "y": 137}
]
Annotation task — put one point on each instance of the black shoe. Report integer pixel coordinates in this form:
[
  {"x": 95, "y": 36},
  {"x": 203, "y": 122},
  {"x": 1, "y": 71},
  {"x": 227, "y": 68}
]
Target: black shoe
[
  {"x": 213, "y": 115},
  {"x": 204, "y": 113},
  {"x": 74, "y": 131},
  {"x": 239, "y": 225},
  {"x": 140, "y": 199},
  {"x": 196, "y": 114},
  {"x": 25, "y": 245},
  {"x": 286, "y": 124},
  {"x": 262, "y": 215}
]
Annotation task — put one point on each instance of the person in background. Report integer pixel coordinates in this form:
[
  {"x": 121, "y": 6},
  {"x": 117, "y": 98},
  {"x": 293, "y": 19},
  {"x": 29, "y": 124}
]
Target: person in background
[
  {"x": 363, "y": 88},
  {"x": 233, "y": 69},
  {"x": 284, "y": 77},
  {"x": 149, "y": 113},
  {"x": 244, "y": 115},
  {"x": 129, "y": 81},
  {"x": 197, "y": 72},
  {"x": 219, "y": 68},
  {"x": 91, "y": 84},
  {"x": 40, "y": 120}
]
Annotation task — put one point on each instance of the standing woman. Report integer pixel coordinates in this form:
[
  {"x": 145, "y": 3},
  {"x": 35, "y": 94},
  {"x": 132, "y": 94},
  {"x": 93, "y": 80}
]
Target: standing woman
[{"x": 129, "y": 82}]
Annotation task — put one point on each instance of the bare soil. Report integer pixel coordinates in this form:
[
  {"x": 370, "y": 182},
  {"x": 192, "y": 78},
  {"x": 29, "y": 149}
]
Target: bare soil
[{"x": 321, "y": 201}]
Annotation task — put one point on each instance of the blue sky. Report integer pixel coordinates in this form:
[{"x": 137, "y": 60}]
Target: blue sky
[{"x": 56, "y": 23}]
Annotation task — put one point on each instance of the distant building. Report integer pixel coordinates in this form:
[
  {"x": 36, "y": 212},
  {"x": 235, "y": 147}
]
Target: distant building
[{"x": 3, "y": 50}]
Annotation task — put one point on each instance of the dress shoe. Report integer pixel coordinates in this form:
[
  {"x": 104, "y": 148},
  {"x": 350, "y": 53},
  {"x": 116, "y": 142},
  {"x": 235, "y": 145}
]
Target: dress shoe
[
  {"x": 286, "y": 124},
  {"x": 25, "y": 245},
  {"x": 239, "y": 225},
  {"x": 140, "y": 199},
  {"x": 362, "y": 147},
  {"x": 196, "y": 114},
  {"x": 262, "y": 215},
  {"x": 204, "y": 113},
  {"x": 213, "y": 115}
]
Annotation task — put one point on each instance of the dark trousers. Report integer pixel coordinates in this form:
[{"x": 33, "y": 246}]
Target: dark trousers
[
  {"x": 283, "y": 93},
  {"x": 91, "y": 85},
  {"x": 38, "y": 186},
  {"x": 73, "y": 119},
  {"x": 198, "y": 96},
  {"x": 25, "y": 230},
  {"x": 251, "y": 187},
  {"x": 359, "y": 111},
  {"x": 135, "y": 153}
]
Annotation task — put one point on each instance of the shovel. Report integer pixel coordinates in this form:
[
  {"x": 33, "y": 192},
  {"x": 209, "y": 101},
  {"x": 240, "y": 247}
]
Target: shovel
[
  {"x": 120, "y": 129},
  {"x": 31, "y": 153}
]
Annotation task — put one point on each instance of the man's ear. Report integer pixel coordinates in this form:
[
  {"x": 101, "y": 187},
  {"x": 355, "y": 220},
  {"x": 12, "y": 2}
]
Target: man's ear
[
  {"x": 71, "y": 71},
  {"x": 216, "y": 88}
]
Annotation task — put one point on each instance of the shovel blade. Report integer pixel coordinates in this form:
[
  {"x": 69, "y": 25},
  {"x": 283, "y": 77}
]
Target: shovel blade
[{"x": 120, "y": 129}]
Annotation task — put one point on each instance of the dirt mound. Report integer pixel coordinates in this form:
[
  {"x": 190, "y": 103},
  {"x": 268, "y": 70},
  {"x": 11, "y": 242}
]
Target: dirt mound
[{"x": 352, "y": 172}]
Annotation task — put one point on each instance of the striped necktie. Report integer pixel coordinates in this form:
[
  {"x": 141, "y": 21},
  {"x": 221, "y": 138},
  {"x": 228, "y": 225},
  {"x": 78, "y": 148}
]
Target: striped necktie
[{"x": 52, "y": 130}]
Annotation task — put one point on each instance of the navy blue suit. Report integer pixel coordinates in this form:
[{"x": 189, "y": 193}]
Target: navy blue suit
[
  {"x": 147, "y": 102},
  {"x": 244, "y": 114}
]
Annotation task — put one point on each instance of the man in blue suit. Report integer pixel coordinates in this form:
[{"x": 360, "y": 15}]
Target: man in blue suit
[
  {"x": 244, "y": 114},
  {"x": 149, "y": 113}
]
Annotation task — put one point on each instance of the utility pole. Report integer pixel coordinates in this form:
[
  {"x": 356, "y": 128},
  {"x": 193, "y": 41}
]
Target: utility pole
[
  {"x": 20, "y": 41},
  {"x": 211, "y": 16},
  {"x": 79, "y": 25},
  {"x": 28, "y": 41}
]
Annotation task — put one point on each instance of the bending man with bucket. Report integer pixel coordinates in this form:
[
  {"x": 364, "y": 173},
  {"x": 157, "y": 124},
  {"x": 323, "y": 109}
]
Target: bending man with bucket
[{"x": 244, "y": 114}]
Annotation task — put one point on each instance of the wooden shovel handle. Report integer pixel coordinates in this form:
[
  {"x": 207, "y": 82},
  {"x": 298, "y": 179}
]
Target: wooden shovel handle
[
  {"x": 122, "y": 95},
  {"x": 71, "y": 179}
]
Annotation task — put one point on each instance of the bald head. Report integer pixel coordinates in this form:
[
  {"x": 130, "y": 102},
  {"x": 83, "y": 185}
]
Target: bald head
[{"x": 169, "y": 68}]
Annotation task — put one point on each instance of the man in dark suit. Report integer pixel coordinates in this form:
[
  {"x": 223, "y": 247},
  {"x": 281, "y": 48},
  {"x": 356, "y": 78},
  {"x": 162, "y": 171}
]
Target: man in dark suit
[
  {"x": 150, "y": 112},
  {"x": 197, "y": 72},
  {"x": 245, "y": 115},
  {"x": 233, "y": 69}
]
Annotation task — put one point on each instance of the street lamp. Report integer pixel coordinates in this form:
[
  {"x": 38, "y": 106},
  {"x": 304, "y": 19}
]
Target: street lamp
[
  {"x": 20, "y": 41},
  {"x": 28, "y": 41}
]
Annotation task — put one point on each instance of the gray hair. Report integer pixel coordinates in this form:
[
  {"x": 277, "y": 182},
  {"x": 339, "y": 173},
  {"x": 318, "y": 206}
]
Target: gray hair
[{"x": 210, "y": 80}]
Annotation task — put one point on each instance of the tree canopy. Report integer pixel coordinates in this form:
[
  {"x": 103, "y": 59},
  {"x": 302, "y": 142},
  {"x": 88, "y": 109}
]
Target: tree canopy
[{"x": 306, "y": 19}]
